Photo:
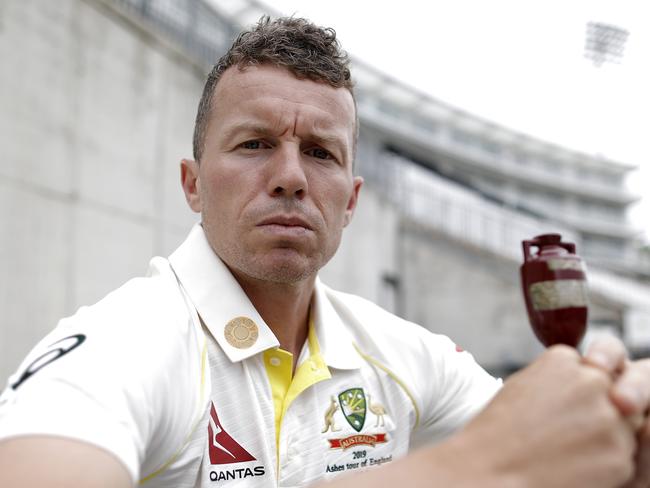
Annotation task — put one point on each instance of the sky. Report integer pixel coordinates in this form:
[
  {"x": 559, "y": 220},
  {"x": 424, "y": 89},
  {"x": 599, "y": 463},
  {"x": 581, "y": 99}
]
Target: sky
[{"x": 519, "y": 63}]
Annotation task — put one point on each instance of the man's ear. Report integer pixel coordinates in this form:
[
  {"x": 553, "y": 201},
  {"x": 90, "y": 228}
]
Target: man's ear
[
  {"x": 354, "y": 198},
  {"x": 191, "y": 183}
]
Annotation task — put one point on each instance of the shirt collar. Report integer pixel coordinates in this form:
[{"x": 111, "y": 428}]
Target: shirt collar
[
  {"x": 335, "y": 341},
  {"x": 217, "y": 296},
  {"x": 219, "y": 299}
]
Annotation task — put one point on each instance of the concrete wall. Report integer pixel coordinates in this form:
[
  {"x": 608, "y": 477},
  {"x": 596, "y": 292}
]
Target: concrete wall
[
  {"x": 467, "y": 294},
  {"x": 95, "y": 117},
  {"x": 368, "y": 252}
]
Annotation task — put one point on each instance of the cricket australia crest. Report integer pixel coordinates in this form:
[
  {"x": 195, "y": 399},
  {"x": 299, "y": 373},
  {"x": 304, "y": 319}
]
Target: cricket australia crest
[{"x": 353, "y": 405}]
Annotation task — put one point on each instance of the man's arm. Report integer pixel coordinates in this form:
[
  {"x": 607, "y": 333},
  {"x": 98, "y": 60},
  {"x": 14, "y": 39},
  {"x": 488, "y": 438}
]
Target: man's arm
[
  {"x": 552, "y": 424},
  {"x": 33, "y": 461}
]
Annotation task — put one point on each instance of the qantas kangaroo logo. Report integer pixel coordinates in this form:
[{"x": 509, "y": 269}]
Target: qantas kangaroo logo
[{"x": 223, "y": 449}]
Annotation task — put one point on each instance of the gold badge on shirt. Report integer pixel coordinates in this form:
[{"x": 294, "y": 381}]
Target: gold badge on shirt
[{"x": 241, "y": 332}]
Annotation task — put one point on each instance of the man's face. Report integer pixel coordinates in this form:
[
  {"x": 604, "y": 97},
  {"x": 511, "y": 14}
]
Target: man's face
[{"x": 275, "y": 185}]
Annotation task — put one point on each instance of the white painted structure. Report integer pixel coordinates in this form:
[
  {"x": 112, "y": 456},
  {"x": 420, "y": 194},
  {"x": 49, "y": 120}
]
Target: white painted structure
[{"x": 98, "y": 102}]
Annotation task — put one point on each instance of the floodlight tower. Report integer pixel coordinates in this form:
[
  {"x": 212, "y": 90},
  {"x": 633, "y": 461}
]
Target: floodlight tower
[{"x": 605, "y": 43}]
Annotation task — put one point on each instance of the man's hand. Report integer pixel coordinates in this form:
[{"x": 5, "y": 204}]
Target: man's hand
[
  {"x": 555, "y": 424},
  {"x": 641, "y": 477},
  {"x": 631, "y": 395}
]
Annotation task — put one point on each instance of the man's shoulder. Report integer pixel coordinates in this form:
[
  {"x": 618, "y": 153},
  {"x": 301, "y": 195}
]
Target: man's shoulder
[
  {"x": 146, "y": 317},
  {"x": 445, "y": 383},
  {"x": 150, "y": 307},
  {"x": 156, "y": 295},
  {"x": 126, "y": 374},
  {"x": 375, "y": 326}
]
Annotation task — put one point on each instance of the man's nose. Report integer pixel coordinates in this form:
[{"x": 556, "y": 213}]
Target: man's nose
[{"x": 287, "y": 174}]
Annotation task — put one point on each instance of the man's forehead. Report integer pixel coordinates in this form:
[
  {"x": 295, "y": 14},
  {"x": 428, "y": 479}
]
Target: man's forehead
[
  {"x": 267, "y": 93},
  {"x": 252, "y": 81}
]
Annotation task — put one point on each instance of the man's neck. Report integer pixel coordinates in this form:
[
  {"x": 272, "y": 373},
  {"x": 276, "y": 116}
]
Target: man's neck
[{"x": 284, "y": 308}]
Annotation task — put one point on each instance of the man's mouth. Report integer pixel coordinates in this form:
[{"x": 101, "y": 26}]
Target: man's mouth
[{"x": 287, "y": 221}]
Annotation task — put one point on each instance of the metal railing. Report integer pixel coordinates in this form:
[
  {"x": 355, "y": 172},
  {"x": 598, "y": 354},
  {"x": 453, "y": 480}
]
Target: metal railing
[
  {"x": 446, "y": 207},
  {"x": 481, "y": 152},
  {"x": 201, "y": 32}
]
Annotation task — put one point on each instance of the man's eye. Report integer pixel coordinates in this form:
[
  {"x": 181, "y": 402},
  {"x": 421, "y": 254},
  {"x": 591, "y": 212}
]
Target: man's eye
[
  {"x": 255, "y": 144},
  {"x": 319, "y": 153}
]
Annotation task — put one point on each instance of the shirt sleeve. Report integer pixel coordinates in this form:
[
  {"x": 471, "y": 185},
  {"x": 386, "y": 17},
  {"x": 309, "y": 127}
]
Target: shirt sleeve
[
  {"x": 456, "y": 391},
  {"x": 76, "y": 385},
  {"x": 117, "y": 376}
]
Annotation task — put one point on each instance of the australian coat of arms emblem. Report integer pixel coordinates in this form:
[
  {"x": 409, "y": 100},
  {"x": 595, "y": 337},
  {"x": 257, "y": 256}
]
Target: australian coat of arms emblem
[{"x": 353, "y": 405}]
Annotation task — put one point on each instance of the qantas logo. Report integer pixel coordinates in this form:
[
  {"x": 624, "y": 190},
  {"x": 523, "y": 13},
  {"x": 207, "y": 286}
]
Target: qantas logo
[{"x": 223, "y": 449}]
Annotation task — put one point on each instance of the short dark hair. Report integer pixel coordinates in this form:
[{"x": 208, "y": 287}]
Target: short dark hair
[{"x": 305, "y": 49}]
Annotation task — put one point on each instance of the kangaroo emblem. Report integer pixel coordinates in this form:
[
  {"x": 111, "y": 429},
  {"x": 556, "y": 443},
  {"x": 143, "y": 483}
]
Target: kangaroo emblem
[
  {"x": 379, "y": 411},
  {"x": 329, "y": 416}
]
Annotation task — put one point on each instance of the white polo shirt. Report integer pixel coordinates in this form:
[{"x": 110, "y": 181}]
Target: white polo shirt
[{"x": 179, "y": 377}]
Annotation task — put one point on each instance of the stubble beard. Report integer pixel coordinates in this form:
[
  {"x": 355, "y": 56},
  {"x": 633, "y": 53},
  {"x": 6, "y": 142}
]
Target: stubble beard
[
  {"x": 288, "y": 265},
  {"x": 279, "y": 266}
]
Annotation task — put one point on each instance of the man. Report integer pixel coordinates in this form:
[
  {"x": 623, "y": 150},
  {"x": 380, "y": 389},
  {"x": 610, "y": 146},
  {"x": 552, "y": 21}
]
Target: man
[{"x": 232, "y": 365}]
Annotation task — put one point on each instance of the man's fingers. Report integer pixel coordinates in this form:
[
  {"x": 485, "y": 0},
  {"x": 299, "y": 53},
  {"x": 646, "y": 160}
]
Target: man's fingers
[
  {"x": 642, "y": 474},
  {"x": 631, "y": 391},
  {"x": 606, "y": 353}
]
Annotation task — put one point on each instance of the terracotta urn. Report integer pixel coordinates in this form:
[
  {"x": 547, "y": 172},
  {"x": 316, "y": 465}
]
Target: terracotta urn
[{"x": 553, "y": 280}]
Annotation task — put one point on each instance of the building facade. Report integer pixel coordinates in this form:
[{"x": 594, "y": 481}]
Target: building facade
[{"x": 99, "y": 99}]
